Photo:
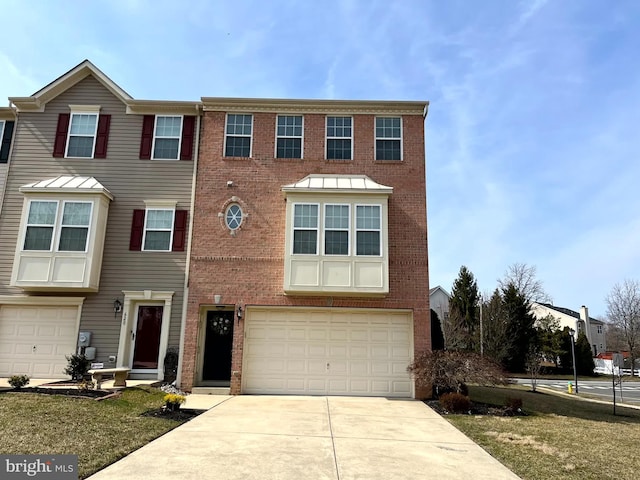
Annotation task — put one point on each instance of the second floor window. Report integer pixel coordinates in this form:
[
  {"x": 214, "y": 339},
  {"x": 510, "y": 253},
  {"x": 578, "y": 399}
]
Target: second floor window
[
  {"x": 158, "y": 230},
  {"x": 305, "y": 229},
  {"x": 388, "y": 138},
  {"x": 82, "y": 135},
  {"x": 336, "y": 229},
  {"x": 339, "y": 136},
  {"x": 43, "y": 226},
  {"x": 289, "y": 136},
  {"x": 238, "y": 135},
  {"x": 166, "y": 138}
]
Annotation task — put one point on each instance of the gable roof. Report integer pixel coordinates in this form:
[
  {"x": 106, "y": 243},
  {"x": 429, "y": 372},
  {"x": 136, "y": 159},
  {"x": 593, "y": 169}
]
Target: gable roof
[
  {"x": 569, "y": 312},
  {"x": 38, "y": 101},
  {"x": 435, "y": 289}
]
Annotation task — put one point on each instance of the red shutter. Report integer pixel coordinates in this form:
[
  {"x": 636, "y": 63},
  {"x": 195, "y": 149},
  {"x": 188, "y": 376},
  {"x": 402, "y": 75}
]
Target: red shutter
[
  {"x": 147, "y": 137},
  {"x": 179, "y": 231},
  {"x": 137, "y": 229},
  {"x": 61, "y": 135},
  {"x": 102, "y": 138},
  {"x": 188, "y": 130}
]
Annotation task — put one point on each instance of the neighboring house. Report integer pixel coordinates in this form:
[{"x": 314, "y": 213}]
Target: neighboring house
[
  {"x": 93, "y": 226},
  {"x": 439, "y": 300},
  {"x": 7, "y": 125},
  {"x": 308, "y": 267},
  {"x": 577, "y": 321}
]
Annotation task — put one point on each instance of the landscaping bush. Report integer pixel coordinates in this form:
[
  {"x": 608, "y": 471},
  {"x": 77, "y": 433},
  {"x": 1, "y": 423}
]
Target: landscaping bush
[
  {"x": 77, "y": 367},
  {"x": 450, "y": 371},
  {"x": 455, "y": 402},
  {"x": 513, "y": 405},
  {"x": 18, "y": 381}
]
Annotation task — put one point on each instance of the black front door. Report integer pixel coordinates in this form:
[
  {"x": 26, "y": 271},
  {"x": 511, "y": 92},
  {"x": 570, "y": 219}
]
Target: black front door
[{"x": 218, "y": 343}]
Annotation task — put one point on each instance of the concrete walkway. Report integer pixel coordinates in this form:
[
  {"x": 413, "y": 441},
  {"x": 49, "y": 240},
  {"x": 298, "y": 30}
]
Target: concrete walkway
[{"x": 292, "y": 438}]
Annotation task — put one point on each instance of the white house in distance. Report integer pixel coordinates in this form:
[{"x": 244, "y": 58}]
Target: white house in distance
[
  {"x": 576, "y": 321},
  {"x": 439, "y": 302}
]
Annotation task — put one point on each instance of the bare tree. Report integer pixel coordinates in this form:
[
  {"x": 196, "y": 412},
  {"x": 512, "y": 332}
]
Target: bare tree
[
  {"x": 623, "y": 310},
  {"x": 523, "y": 277},
  {"x": 533, "y": 364}
]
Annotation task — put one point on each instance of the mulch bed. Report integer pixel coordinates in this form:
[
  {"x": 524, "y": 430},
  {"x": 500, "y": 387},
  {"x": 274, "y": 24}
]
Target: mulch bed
[
  {"x": 181, "y": 415},
  {"x": 478, "y": 408}
]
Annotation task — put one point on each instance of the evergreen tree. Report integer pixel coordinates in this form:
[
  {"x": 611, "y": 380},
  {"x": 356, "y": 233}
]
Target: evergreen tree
[
  {"x": 584, "y": 356},
  {"x": 566, "y": 360},
  {"x": 550, "y": 337},
  {"x": 463, "y": 326},
  {"x": 437, "y": 339},
  {"x": 495, "y": 340},
  {"x": 520, "y": 330}
]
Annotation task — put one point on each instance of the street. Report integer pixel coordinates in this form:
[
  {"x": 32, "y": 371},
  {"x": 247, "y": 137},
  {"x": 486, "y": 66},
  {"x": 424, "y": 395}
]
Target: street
[{"x": 630, "y": 390}]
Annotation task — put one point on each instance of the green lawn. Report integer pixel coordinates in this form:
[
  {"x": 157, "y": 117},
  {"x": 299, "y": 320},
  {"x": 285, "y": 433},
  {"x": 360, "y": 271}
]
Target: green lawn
[
  {"x": 99, "y": 432},
  {"x": 561, "y": 438}
]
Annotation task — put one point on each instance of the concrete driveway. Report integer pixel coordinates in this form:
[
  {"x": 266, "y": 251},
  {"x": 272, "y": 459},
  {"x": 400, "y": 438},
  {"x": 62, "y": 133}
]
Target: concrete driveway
[{"x": 311, "y": 438}]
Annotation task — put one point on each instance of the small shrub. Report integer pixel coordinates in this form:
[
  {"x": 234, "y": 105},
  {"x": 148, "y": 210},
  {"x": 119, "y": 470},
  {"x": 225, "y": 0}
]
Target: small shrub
[
  {"x": 18, "y": 381},
  {"x": 172, "y": 401},
  {"x": 455, "y": 402},
  {"x": 77, "y": 367},
  {"x": 86, "y": 385},
  {"x": 513, "y": 405}
]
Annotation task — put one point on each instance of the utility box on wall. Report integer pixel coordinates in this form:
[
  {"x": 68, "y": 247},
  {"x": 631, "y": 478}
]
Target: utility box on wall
[{"x": 84, "y": 339}]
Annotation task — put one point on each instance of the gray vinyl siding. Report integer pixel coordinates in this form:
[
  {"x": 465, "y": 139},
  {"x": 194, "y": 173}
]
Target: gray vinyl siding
[{"x": 130, "y": 180}]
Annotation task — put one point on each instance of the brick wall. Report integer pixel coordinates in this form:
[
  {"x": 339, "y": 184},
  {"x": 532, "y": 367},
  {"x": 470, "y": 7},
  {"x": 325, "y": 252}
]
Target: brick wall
[{"x": 247, "y": 268}]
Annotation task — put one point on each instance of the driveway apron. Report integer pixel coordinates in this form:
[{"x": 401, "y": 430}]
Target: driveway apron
[{"x": 293, "y": 438}]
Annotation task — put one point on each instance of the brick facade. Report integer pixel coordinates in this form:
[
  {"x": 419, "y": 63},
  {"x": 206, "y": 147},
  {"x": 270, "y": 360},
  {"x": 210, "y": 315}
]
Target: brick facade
[{"x": 247, "y": 268}]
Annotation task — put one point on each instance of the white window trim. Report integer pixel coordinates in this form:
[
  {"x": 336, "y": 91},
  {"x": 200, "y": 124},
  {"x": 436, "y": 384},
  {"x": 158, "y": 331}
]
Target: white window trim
[
  {"x": 86, "y": 111},
  {"x": 59, "y": 226},
  {"x": 294, "y": 228},
  {"x": 226, "y": 135},
  {"x": 301, "y": 137},
  {"x": 144, "y": 231},
  {"x": 375, "y": 142},
  {"x": 179, "y": 137},
  {"x": 327, "y": 137},
  {"x": 27, "y": 224},
  {"x": 348, "y": 229},
  {"x": 54, "y": 245},
  {"x": 356, "y": 230},
  {"x": 2, "y": 124}
]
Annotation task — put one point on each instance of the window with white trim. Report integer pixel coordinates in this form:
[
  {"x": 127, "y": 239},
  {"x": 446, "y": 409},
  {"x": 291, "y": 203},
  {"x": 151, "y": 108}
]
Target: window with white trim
[
  {"x": 1, "y": 130},
  {"x": 158, "y": 230},
  {"x": 81, "y": 138},
  {"x": 368, "y": 227},
  {"x": 239, "y": 129},
  {"x": 339, "y": 138},
  {"x": 289, "y": 136},
  {"x": 166, "y": 137},
  {"x": 233, "y": 216},
  {"x": 599, "y": 329},
  {"x": 388, "y": 138},
  {"x": 74, "y": 227},
  {"x": 336, "y": 229},
  {"x": 305, "y": 229},
  {"x": 71, "y": 230}
]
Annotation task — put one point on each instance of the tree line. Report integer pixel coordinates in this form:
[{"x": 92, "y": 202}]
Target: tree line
[{"x": 503, "y": 329}]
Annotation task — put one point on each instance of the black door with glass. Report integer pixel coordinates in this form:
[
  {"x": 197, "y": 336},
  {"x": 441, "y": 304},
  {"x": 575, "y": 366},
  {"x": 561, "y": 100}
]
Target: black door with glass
[{"x": 218, "y": 343}]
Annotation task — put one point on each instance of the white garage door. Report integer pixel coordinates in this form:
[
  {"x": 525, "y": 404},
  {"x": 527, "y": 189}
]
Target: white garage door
[
  {"x": 34, "y": 340},
  {"x": 327, "y": 352}
]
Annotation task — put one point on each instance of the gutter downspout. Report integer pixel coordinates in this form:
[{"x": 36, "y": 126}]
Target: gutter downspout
[{"x": 185, "y": 295}]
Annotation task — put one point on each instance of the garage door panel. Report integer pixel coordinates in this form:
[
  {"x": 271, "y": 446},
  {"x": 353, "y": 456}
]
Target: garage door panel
[
  {"x": 330, "y": 352},
  {"x": 36, "y": 340}
]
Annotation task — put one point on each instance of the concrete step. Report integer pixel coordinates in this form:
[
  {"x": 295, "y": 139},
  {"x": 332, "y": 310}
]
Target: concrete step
[{"x": 211, "y": 390}]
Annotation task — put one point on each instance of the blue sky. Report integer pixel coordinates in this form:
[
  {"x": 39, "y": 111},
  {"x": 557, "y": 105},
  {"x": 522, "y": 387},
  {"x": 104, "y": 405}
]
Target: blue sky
[{"x": 533, "y": 128}]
